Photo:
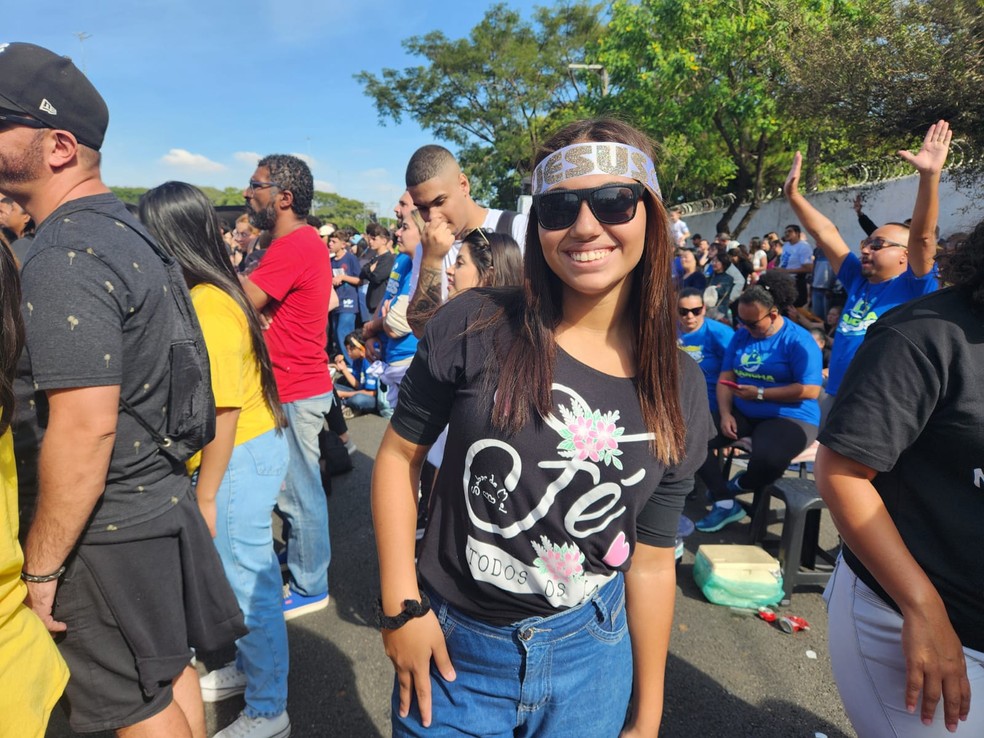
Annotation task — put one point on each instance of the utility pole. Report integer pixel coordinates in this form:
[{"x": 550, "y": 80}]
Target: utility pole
[{"x": 82, "y": 36}]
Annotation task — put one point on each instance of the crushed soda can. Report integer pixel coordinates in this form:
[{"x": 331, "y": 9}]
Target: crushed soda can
[
  {"x": 767, "y": 614},
  {"x": 792, "y": 624}
]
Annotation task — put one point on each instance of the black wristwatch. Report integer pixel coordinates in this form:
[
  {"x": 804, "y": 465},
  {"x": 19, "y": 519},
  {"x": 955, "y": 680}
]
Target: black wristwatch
[{"x": 411, "y": 609}]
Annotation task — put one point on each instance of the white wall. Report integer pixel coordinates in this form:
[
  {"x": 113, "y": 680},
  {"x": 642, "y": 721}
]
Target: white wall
[{"x": 891, "y": 200}]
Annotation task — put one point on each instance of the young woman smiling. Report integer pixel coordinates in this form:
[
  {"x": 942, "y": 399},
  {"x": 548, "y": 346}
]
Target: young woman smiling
[{"x": 574, "y": 434}]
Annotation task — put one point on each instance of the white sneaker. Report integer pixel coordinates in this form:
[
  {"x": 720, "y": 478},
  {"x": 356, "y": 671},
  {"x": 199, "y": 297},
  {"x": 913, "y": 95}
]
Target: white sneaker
[
  {"x": 258, "y": 727},
  {"x": 223, "y": 683}
]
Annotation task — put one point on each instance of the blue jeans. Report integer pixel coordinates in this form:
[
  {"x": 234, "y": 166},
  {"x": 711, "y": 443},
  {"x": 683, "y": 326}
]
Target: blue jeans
[
  {"x": 569, "y": 674},
  {"x": 343, "y": 324},
  {"x": 302, "y": 503},
  {"x": 244, "y": 539}
]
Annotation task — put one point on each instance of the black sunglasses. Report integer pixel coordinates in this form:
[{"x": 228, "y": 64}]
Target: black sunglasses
[
  {"x": 10, "y": 118},
  {"x": 610, "y": 204},
  {"x": 878, "y": 243},
  {"x": 684, "y": 312},
  {"x": 753, "y": 323}
]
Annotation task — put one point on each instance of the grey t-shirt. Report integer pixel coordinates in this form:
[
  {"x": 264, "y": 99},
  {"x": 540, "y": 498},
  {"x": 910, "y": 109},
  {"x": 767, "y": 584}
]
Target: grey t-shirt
[{"x": 96, "y": 313}]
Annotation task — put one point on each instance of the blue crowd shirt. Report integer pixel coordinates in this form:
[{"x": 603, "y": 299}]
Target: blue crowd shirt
[
  {"x": 348, "y": 294},
  {"x": 366, "y": 381},
  {"x": 788, "y": 356},
  {"x": 706, "y": 346},
  {"x": 395, "y": 349},
  {"x": 866, "y": 303}
]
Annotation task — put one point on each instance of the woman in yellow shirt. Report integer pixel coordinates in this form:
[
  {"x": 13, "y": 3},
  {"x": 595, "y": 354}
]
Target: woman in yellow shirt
[
  {"x": 238, "y": 474},
  {"x": 32, "y": 673}
]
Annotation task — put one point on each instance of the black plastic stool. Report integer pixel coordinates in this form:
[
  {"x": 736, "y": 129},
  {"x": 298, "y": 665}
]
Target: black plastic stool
[{"x": 800, "y": 533}]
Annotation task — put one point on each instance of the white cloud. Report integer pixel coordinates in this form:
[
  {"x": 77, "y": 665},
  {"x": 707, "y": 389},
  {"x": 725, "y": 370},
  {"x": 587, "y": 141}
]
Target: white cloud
[
  {"x": 184, "y": 159},
  {"x": 247, "y": 157},
  {"x": 322, "y": 185}
]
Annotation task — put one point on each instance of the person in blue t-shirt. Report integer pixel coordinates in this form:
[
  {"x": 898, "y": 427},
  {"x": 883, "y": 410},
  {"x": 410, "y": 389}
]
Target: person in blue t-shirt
[
  {"x": 771, "y": 375},
  {"x": 704, "y": 341},
  {"x": 897, "y": 262},
  {"x": 354, "y": 385},
  {"x": 389, "y": 332},
  {"x": 345, "y": 271}
]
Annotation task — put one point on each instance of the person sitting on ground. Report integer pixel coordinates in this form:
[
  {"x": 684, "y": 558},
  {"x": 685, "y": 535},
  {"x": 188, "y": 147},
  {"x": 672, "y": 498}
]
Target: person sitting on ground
[
  {"x": 355, "y": 387},
  {"x": 770, "y": 378}
]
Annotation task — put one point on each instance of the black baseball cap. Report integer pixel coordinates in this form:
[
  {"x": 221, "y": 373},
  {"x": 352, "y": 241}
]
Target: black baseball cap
[{"x": 50, "y": 88}]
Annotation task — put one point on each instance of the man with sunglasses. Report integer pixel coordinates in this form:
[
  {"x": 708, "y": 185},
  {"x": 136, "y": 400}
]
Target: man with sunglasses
[
  {"x": 897, "y": 263},
  {"x": 293, "y": 286},
  {"x": 441, "y": 193},
  {"x": 116, "y": 534},
  {"x": 702, "y": 340}
]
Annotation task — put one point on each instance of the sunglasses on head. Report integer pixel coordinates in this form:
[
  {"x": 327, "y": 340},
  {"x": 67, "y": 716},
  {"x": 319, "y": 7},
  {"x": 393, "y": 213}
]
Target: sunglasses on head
[
  {"x": 684, "y": 312},
  {"x": 878, "y": 243},
  {"x": 610, "y": 204}
]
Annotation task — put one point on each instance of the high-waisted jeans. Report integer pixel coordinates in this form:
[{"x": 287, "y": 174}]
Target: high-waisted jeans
[{"x": 569, "y": 674}]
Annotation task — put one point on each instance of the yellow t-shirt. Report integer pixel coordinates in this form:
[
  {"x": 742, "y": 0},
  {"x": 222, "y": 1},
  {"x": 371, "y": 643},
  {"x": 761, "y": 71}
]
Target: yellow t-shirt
[
  {"x": 32, "y": 672},
  {"x": 235, "y": 373}
]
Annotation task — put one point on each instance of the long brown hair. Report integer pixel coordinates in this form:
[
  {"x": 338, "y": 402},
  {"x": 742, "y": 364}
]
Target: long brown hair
[
  {"x": 526, "y": 372},
  {"x": 11, "y": 333}
]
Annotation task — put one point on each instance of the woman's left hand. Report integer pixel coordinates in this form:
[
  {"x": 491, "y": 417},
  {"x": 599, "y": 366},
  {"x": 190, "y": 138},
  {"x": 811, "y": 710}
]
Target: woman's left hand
[
  {"x": 934, "y": 665},
  {"x": 746, "y": 392}
]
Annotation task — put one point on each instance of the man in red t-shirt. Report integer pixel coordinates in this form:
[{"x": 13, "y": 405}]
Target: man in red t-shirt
[{"x": 292, "y": 287}]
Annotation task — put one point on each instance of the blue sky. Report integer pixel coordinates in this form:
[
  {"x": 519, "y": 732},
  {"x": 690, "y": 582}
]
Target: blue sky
[{"x": 196, "y": 90}]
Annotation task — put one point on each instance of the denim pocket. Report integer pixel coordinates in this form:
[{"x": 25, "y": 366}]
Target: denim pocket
[{"x": 269, "y": 454}]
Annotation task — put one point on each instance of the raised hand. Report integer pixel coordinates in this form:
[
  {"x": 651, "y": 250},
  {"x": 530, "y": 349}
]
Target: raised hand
[
  {"x": 936, "y": 146},
  {"x": 791, "y": 186}
]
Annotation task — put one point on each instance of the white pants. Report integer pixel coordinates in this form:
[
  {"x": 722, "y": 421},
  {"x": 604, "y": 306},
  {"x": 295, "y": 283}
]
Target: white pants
[{"x": 869, "y": 667}]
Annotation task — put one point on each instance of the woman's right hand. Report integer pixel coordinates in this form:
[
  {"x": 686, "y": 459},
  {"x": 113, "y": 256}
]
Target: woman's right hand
[
  {"x": 729, "y": 426},
  {"x": 411, "y": 649},
  {"x": 934, "y": 665}
]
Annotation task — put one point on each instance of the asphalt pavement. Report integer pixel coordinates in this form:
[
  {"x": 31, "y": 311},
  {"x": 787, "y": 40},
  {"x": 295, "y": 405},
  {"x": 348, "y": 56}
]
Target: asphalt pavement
[{"x": 729, "y": 674}]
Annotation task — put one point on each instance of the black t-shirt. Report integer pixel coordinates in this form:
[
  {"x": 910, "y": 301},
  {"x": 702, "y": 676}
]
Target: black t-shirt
[
  {"x": 96, "y": 314},
  {"x": 911, "y": 408},
  {"x": 533, "y": 523}
]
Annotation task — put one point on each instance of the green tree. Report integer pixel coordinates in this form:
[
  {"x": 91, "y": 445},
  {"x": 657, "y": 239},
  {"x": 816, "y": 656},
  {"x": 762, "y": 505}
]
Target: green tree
[
  {"x": 704, "y": 79},
  {"x": 885, "y": 70},
  {"x": 496, "y": 94}
]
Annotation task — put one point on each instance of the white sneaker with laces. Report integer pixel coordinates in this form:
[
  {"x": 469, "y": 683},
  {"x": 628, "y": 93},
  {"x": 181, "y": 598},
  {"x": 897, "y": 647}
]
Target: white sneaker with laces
[
  {"x": 223, "y": 683},
  {"x": 258, "y": 727}
]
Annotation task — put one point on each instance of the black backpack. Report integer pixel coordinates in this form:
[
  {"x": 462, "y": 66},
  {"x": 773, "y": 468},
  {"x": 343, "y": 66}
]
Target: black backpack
[{"x": 190, "y": 419}]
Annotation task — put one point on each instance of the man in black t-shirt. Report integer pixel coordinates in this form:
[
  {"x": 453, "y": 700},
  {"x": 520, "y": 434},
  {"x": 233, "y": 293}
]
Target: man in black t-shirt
[{"x": 116, "y": 533}]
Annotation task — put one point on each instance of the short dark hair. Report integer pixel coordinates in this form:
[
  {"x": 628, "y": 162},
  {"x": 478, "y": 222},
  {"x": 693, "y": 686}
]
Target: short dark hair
[
  {"x": 294, "y": 176},
  {"x": 428, "y": 162},
  {"x": 794, "y": 227},
  {"x": 690, "y": 292}
]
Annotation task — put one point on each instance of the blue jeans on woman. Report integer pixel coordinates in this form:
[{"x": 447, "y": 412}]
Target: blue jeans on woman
[
  {"x": 342, "y": 324},
  {"x": 244, "y": 539},
  {"x": 569, "y": 674}
]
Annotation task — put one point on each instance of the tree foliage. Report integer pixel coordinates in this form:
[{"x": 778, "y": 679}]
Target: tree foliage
[{"x": 496, "y": 94}]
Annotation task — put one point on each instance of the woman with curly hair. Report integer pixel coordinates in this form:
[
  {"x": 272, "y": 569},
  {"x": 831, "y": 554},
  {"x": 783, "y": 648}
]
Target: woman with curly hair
[
  {"x": 900, "y": 467},
  {"x": 575, "y": 429},
  {"x": 770, "y": 379}
]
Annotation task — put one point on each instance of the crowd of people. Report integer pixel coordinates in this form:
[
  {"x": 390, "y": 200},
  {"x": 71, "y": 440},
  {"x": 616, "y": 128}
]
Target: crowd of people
[{"x": 555, "y": 382}]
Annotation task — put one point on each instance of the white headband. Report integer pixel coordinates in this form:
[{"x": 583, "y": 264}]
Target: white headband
[{"x": 579, "y": 159}]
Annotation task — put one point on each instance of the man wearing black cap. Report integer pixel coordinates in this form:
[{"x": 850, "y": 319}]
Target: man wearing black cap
[{"x": 115, "y": 533}]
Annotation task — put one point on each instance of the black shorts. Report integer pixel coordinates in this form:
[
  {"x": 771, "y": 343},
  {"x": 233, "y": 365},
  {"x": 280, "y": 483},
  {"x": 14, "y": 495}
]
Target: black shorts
[{"x": 134, "y": 609}]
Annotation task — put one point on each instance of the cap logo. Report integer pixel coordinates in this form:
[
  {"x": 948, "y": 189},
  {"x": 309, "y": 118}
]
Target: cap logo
[{"x": 47, "y": 107}]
